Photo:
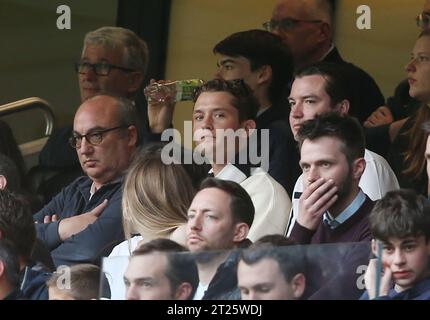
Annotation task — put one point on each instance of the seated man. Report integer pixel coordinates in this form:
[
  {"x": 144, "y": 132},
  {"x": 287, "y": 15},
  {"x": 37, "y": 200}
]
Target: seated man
[
  {"x": 400, "y": 226},
  {"x": 332, "y": 208},
  {"x": 267, "y": 272},
  {"x": 84, "y": 220},
  {"x": 84, "y": 283},
  {"x": 161, "y": 270},
  {"x": 113, "y": 60},
  {"x": 322, "y": 88},
  {"x": 265, "y": 64},
  {"x": 17, "y": 227},
  {"x": 307, "y": 26},
  {"x": 9, "y": 272},
  {"x": 219, "y": 218},
  {"x": 229, "y": 107}
]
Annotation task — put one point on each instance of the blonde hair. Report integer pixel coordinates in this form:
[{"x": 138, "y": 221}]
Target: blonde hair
[{"x": 156, "y": 196}]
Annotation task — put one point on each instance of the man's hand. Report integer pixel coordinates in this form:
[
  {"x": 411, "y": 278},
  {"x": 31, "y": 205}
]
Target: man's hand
[
  {"x": 49, "y": 219},
  {"x": 370, "y": 280},
  {"x": 315, "y": 200},
  {"x": 160, "y": 115},
  {"x": 379, "y": 117},
  {"x": 73, "y": 225}
]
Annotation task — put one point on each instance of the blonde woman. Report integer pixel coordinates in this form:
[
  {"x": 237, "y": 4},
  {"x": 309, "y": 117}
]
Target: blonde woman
[{"x": 155, "y": 201}]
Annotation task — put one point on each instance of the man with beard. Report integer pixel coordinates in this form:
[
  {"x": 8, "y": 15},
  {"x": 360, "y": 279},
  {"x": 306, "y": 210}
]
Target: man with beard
[
  {"x": 219, "y": 219},
  {"x": 333, "y": 208},
  {"x": 322, "y": 88}
]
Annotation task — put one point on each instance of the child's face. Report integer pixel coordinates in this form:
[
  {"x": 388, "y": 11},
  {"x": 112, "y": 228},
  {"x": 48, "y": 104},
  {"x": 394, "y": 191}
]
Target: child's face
[
  {"x": 57, "y": 294},
  {"x": 408, "y": 259}
]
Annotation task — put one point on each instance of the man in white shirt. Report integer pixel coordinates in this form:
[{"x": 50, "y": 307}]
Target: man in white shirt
[
  {"x": 322, "y": 88},
  {"x": 223, "y": 107}
]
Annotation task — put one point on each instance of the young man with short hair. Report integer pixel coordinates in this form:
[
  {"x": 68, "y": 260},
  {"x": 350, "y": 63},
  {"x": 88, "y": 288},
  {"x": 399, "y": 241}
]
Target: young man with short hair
[
  {"x": 400, "y": 224},
  {"x": 161, "y": 270}
]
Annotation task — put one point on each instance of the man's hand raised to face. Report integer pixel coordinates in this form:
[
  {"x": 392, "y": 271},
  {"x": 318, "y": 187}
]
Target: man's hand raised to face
[{"x": 315, "y": 200}]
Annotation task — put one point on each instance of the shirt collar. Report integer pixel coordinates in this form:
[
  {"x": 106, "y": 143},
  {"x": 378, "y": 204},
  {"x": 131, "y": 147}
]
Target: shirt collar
[
  {"x": 230, "y": 172},
  {"x": 93, "y": 186},
  {"x": 333, "y": 223},
  {"x": 328, "y": 52},
  {"x": 262, "y": 110}
]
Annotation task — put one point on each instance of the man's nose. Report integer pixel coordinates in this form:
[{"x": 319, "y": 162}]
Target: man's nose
[
  {"x": 313, "y": 174},
  {"x": 297, "y": 111},
  {"x": 131, "y": 293},
  {"x": 399, "y": 257},
  {"x": 85, "y": 147}
]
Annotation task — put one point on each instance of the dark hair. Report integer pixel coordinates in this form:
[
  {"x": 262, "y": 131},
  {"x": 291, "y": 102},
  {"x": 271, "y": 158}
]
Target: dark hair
[
  {"x": 16, "y": 223},
  {"x": 243, "y": 98},
  {"x": 261, "y": 48},
  {"x": 399, "y": 214},
  {"x": 84, "y": 281},
  {"x": 9, "y": 170},
  {"x": 10, "y": 261},
  {"x": 181, "y": 266},
  {"x": 241, "y": 205},
  {"x": 276, "y": 240},
  {"x": 347, "y": 129},
  {"x": 9, "y": 147},
  {"x": 337, "y": 86},
  {"x": 291, "y": 259}
]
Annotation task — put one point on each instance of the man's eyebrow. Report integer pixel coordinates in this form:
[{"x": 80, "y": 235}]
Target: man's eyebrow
[
  {"x": 98, "y": 128},
  {"x": 224, "y": 61}
]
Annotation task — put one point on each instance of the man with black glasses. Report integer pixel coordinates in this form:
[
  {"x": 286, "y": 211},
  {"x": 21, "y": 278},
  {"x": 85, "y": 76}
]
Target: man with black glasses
[
  {"x": 84, "y": 220},
  {"x": 113, "y": 60},
  {"x": 307, "y": 27}
]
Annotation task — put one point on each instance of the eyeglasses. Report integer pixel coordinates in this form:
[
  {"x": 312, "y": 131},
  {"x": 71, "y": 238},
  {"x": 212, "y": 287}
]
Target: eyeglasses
[
  {"x": 94, "y": 138},
  {"x": 100, "y": 69},
  {"x": 286, "y": 23},
  {"x": 423, "y": 20}
]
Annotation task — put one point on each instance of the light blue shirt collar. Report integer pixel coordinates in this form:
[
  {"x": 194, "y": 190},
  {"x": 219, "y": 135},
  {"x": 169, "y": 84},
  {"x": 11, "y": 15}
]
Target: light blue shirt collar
[{"x": 345, "y": 214}]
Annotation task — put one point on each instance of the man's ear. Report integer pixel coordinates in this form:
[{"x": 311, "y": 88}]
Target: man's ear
[
  {"x": 241, "y": 231},
  {"x": 249, "y": 125},
  {"x": 183, "y": 291},
  {"x": 343, "y": 107},
  {"x": 358, "y": 167},
  {"x": 298, "y": 284},
  {"x": 325, "y": 32},
  {"x": 2, "y": 269},
  {"x": 3, "y": 182},
  {"x": 132, "y": 135},
  {"x": 374, "y": 247},
  {"x": 135, "y": 80},
  {"x": 264, "y": 74}
]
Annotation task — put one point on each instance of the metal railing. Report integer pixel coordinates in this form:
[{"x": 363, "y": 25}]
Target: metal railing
[{"x": 30, "y": 104}]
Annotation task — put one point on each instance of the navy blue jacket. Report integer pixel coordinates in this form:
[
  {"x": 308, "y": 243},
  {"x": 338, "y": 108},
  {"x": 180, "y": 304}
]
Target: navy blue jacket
[
  {"x": 95, "y": 240},
  {"x": 421, "y": 291}
]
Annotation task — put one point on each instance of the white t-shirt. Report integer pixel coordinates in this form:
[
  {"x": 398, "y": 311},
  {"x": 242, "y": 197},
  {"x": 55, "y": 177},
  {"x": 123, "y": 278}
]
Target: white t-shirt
[{"x": 115, "y": 265}]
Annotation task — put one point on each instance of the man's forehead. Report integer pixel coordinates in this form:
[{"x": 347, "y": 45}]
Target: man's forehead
[
  {"x": 213, "y": 100},
  {"x": 102, "y": 52},
  {"x": 311, "y": 84},
  {"x": 296, "y": 9},
  {"x": 329, "y": 146}
]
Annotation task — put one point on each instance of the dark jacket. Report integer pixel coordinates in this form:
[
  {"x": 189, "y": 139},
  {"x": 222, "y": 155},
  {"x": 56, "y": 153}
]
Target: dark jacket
[
  {"x": 223, "y": 285},
  {"x": 98, "y": 238},
  {"x": 354, "y": 229},
  {"x": 366, "y": 94},
  {"x": 33, "y": 284},
  {"x": 420, "y": 291}
]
